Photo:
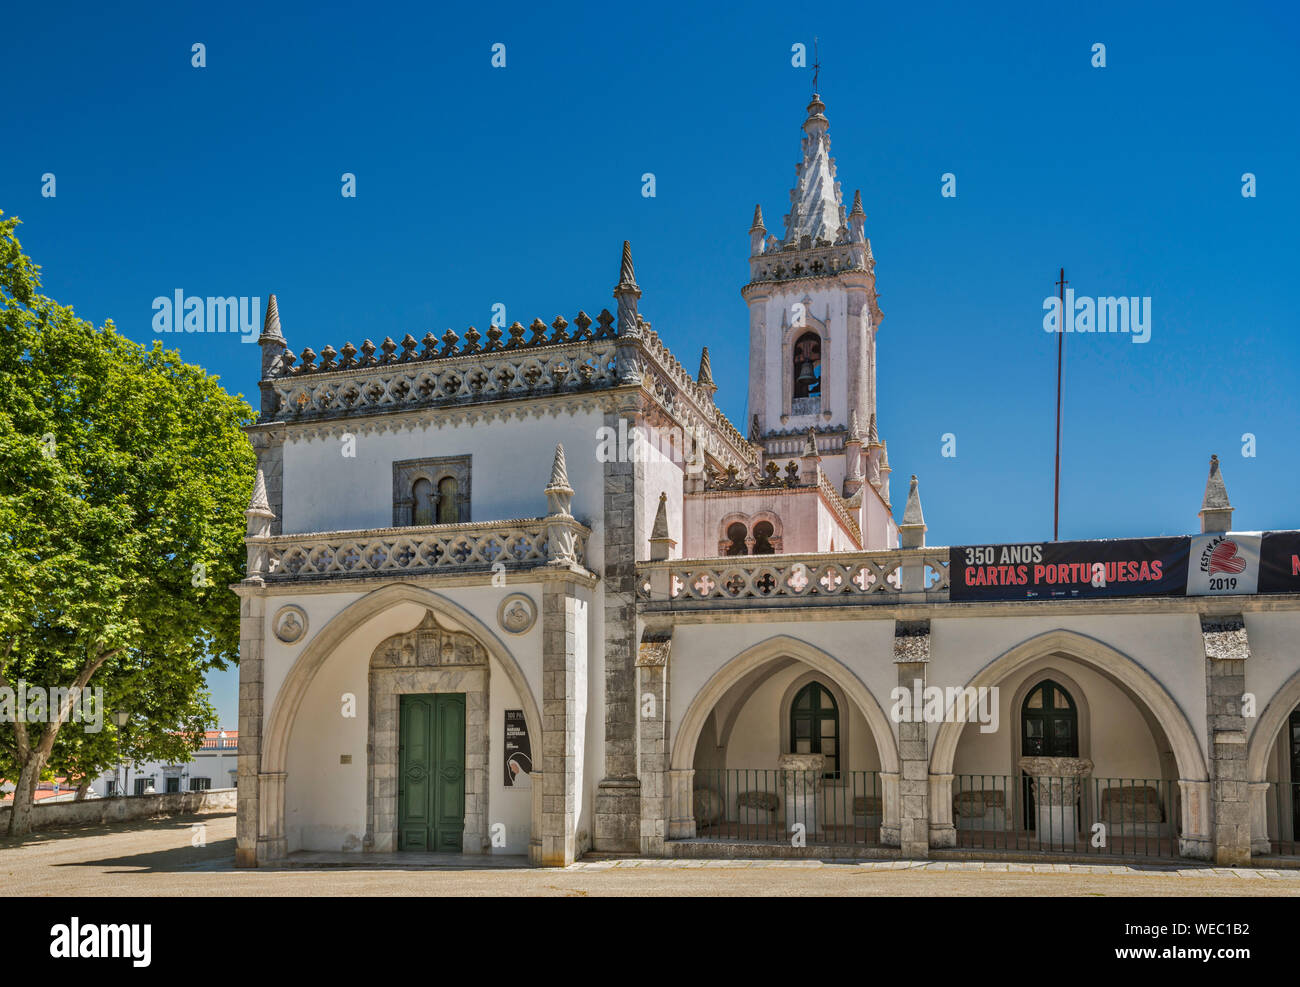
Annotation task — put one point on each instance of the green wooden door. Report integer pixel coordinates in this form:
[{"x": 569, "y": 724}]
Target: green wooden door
[{"x": 431, "y": 772}]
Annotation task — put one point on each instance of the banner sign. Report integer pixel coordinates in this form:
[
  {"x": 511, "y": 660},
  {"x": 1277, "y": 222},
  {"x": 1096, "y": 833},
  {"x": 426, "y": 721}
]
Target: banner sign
[
  {"x": 1223, "y": 564},
  {"x": 1279, "y": 562},
  {"x": 1070, "y": 570},
  {"x": 519, "y": 753}
]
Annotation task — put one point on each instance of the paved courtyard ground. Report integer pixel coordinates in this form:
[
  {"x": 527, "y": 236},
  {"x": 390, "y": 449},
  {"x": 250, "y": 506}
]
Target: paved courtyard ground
[{"x": 158, "y": 857}]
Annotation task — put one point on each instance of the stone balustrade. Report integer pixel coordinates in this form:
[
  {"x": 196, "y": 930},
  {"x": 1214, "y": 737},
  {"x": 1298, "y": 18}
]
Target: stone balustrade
[
  {"x": 519, "y": 544},
  {"x": 839, "y": 577}
]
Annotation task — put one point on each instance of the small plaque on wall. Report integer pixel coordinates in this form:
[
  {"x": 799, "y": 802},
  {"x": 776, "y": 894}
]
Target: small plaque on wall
[{"x": 518, "y": 752}]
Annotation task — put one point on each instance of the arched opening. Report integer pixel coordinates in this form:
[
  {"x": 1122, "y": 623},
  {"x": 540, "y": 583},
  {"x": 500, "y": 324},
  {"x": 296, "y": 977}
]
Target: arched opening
[
  {"x": 448, "y": 500},
  {"x": 1274, "y": 775},
  {"x": 1123, "y": 771},
  {"x": 763, "y": 532},
  {"x": 744, "y": 753},
  {"x": 422, "y": 507},
  {"x": 807, "y": 366},
  {"x": 736, "y": 535}
]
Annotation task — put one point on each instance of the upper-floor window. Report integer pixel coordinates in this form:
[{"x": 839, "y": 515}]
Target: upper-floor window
[
  {"x": 736, "y": 534},
  {"x": 431, "y": 491}
]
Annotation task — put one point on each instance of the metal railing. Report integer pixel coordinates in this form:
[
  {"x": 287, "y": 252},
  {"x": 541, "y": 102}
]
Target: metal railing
[
  {"x": 1129, "y": 817},
  {"x": 796, "y": 808}
]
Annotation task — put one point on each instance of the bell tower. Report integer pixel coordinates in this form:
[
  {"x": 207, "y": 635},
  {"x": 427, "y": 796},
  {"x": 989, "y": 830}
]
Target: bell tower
[{"x": 813, "y": 318}]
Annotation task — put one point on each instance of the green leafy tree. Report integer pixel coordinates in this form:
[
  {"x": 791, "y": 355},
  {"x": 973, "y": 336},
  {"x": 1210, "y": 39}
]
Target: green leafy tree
[{"x": 124, "y": 474}]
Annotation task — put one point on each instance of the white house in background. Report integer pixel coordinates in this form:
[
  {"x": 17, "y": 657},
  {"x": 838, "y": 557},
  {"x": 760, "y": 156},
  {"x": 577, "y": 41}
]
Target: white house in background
[
  {"x": 529, "y": 591},
  {"x": 215, "y": 765}
]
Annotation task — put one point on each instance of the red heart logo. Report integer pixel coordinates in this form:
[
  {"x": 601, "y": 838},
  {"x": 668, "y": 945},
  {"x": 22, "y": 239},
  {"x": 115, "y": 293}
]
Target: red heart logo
[{"x": 1224, "y": 558}]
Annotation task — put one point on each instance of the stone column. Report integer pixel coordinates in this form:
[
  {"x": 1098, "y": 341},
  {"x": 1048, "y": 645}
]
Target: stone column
[
  {"x": 1056, "y": 783},
  {"x": 801, "y": 783},
  {"x": 1226, "y": 651},
  {"x": 272, "y": 844},
  {"x": 911, "y": 657},
  {"x": 617, "y": 823},
  {"x": 681, "y": 812},
  {"x": 652, "y": 665},
  {"x": 563, "y": 665},
  {"x": 943, "y": 830},
  {"x": 252, "y": 608},
  {"x": 1259, "y": 841}
]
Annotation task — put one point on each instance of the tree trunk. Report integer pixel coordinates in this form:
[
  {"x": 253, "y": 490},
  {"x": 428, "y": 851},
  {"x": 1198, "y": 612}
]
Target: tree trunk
[
  {"x": 82, "y": 789},
  {"x": 20, "y": 816}
]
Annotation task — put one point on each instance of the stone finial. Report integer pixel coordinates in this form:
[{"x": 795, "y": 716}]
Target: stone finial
[
  {"x": 260, "y": 516},
  {"x": 855, "y": 430},
  {"x": 873, "y": 437},
  {"x": 911, "y": 533},
  {"x": 884, "y": 473},
  {"x": 559, "y": 495},
  {"x": 755, "y": 431},
  {"x": 626, "y": 274},
  {"x": 758, "y": 220},
  {"x": 1216, "y": 509},
  {"x": 271, "y": 325},
  {"x": 661, "y": 543},
  {"x": 705, "y": 376},
  {"x": 857, "y": 204},
  {"x": 811, "y": 462},
  {"x": 627, "y": 292},
  {"x": 912, "y": 512}
]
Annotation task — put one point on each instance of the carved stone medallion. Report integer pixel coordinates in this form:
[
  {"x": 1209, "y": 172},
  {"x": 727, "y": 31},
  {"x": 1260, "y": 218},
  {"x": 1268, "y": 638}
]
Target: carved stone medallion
[
  {"x": 290, "y": 624},
  {"x": 517, "y": 613}
]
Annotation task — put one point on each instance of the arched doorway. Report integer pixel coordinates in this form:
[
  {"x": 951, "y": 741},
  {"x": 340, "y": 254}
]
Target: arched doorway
[{"x": 1049, "y": 727}]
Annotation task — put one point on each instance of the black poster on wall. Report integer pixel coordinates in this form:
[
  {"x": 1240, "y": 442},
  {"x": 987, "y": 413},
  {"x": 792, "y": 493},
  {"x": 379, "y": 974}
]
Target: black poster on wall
[
  {"x": 519, "y": 754},
  {"x": 1279, "y": 562},
  {"x": 1069, "y": 570}
]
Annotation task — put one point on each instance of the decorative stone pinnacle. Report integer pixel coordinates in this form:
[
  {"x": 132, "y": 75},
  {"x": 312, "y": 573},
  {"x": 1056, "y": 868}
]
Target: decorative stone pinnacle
[
  {"x": 660, "y": 528},
  {"x": 258, "y": 504},
  {"x": 271, "y": 327},
  {"x": 1216, "y": 493},
  {"x": 873, "y": 437},
  {"x": 559, "y": 495},
  {"x": 626, "y": 275},
  {"x": 884, "y": 457},
  {"x": 857, "y": 204},
  {"x": 855, "y": 431},
  {"x": 705, "y": 376},
  {"x": 912, "y": 514},
  {"x": 758, "y": 220}
]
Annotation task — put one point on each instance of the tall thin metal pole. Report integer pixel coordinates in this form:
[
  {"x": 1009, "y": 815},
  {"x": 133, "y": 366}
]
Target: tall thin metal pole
[{"x": 1060, "y": 356}]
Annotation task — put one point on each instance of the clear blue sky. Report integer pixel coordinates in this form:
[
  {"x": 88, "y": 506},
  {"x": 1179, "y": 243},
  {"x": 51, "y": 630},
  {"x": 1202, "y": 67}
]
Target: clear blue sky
[{"x": 479, "y": 185}]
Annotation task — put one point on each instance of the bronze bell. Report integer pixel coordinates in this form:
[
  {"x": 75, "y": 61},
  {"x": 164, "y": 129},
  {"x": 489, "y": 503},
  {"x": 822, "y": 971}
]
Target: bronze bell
[{"x": 806, "y": 375}]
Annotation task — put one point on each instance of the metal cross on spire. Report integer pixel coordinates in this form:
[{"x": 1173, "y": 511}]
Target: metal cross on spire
[{"x": 816, "y": 65}]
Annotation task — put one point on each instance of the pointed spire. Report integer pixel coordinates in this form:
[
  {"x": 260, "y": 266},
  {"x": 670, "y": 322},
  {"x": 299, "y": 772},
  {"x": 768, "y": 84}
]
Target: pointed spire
[
  {"x": 758, "y": 220},
  {"x": 912, "y": 512},
  {"x": 855, "y": 430},
  {"x": 271, "y": 326},
  {"x": 559, "y": 471},
  {"x": 259, "y": 516},
  {"x": 1216, "y": 493},
  {"x": 873, "y": 437},
  {"x": 911, "y": 533},
  {"x": 705, "y": 377},
  {"x": 259, "y": 502},
  {"x": 660, "y": 528},
  {"x": 1216, "y": 509},
  {"x": 626, "y": 275},
  {"x": 816, "y": 208},
  {"x": 884, "y": 457},
  {"x": 857, "y": 203}
]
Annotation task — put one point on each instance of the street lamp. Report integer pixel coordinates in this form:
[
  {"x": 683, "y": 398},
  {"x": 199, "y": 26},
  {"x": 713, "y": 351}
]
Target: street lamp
[{"x": 120, "y": 717}]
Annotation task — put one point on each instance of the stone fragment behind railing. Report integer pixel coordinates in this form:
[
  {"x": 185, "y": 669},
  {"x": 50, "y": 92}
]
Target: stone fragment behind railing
[
  {"x": 841, "y": 577},
  {"x": 408, "y": 551}
]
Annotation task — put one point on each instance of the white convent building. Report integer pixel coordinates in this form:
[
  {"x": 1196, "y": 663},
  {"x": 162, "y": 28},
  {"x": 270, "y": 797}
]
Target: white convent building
[{"x": 528, "y": 591}]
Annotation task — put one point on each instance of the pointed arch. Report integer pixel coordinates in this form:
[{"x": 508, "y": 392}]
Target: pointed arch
[
  {"x": 687, "y": 735},
  {"x": 289, "y": 698},
  {"x": 1119, "y": 666},
  {"x": 1268, "y": 726}
]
